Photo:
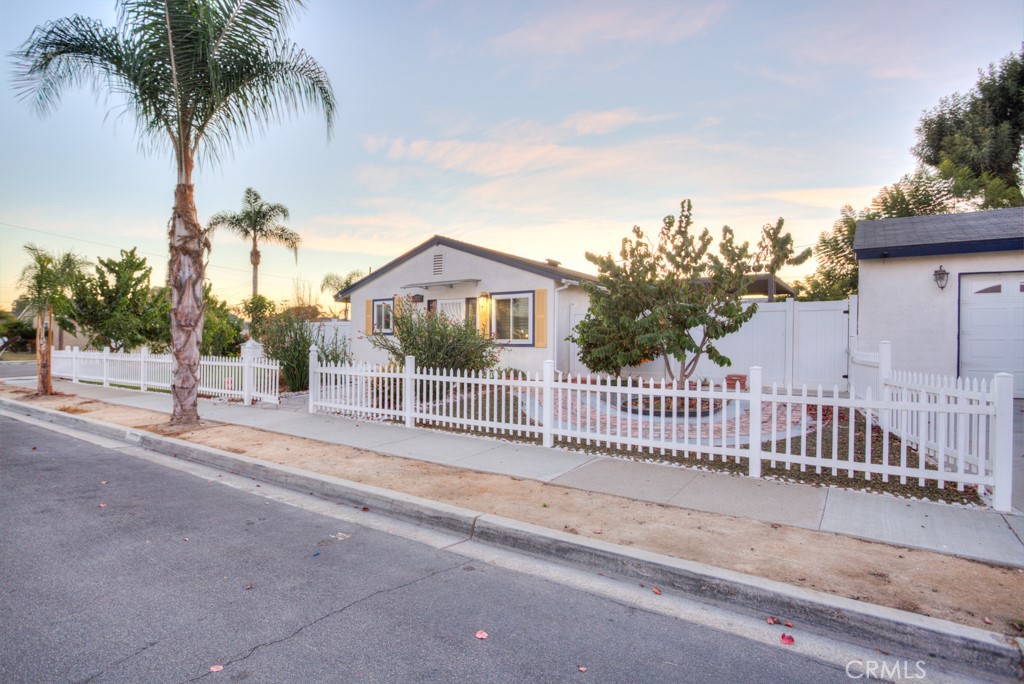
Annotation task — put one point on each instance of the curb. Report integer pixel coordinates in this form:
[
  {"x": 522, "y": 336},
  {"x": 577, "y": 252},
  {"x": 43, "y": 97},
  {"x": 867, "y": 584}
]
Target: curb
[{"x": 955, "y": 647}]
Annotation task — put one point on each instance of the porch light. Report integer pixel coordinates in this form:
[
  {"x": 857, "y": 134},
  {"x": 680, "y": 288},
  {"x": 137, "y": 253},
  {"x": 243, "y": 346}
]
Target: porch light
[{"x": 941, "y": 277}]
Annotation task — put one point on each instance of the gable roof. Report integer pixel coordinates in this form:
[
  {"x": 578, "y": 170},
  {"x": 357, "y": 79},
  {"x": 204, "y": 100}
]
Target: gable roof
[
  {"x": 995, "y": 230},
  {"x": 549, "y": 269}
]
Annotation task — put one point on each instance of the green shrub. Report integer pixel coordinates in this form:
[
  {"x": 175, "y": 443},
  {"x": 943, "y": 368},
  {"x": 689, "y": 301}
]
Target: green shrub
[
  {"x": 436, "y": 341},
  {"x": 288, "y": 337}
]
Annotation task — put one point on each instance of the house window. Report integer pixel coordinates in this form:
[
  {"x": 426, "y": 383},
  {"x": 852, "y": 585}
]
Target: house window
[
  {"x": 382, "y": 310},
  {"x": 512, "y": 317},
  {"x": 454, "y": 309}
]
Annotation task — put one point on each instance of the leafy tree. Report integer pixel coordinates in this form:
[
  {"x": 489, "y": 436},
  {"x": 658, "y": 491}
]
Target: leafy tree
[
  {"x": 289, "y": 335},
  {"x": 257, "y": 310},
  {"x": 46, "y": 281},
  {"x": 775, "y": 250},
  {"x": 922, "y": 193},
  {"x": 17, "y": 332},
  {"x": 116, "y": 307},
  {"x": 975, "y": 140},
  {"x": 670, "y": 299},
  {"x": 197, "y": 75},
  {"x": 836, "y": 274},
  {"x": 258, "y": 222},
  {"x": 436, "y": 340}
]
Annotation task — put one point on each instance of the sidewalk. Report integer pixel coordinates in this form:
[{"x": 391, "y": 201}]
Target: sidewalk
[{"x": 970, "y": 533}]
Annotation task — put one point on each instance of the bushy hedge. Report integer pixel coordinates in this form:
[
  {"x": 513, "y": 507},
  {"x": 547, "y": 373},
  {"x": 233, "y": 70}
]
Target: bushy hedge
[
  {"x": 436, "y": 341},
  {"x": 287, "y": 338}
]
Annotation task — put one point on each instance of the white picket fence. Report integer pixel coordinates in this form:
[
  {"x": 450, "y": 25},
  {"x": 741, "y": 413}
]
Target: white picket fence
[
  {"x": 933, "y": 433},
  {"x": 249, "y": 378}
]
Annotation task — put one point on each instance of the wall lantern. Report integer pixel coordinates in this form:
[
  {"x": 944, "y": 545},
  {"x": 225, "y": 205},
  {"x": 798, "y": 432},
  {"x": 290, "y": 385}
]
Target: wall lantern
[{"x": 941, "y": 277}]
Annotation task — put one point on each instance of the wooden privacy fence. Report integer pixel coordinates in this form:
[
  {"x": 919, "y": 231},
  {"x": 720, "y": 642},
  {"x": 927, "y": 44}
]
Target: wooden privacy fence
[
  {"x": 928, "y": 431},
  {"x": 249, "y": 378}
]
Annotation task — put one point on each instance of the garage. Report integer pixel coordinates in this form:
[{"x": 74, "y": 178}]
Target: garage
[{"x": 992, "y": 326}]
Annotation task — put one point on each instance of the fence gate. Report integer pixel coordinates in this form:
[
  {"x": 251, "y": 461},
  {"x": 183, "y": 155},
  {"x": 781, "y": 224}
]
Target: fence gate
[{"x": 821, "y": 341}]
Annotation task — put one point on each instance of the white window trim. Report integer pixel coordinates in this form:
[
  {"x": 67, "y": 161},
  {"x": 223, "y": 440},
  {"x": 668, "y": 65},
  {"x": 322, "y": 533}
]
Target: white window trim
[
  {"x": 528, "y": 342},
  {"x": 378, "y": 315}
]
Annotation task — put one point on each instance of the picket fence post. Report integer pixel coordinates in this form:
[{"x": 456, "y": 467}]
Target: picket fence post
[
  {"x": 754, "y": 445},
  {"x": 409, "y": 391},
  {"x": 74, "y": 364},
  {"x": 548, "y": 405},
  {"x": 106, "y": 366},
  {"x": 314, "y": 378},
  {"x": 144, "y": 356},
  {"x": 1002, "y": 463},
  {"x": 884, "y": 376}
]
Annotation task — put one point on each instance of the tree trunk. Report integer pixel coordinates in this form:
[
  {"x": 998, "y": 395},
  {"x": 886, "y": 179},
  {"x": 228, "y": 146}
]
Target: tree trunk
[
  {"x": 40, "y": 381},
  {"x": 254, "y": 259},
  {"x": 186, "y": 277},
  {"x": 48, "y": 363}
]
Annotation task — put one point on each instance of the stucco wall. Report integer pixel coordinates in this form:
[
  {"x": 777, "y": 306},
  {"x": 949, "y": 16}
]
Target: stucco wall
[
  {"x": 900, "y": 302},
  {"x": 493, "y": 277}
]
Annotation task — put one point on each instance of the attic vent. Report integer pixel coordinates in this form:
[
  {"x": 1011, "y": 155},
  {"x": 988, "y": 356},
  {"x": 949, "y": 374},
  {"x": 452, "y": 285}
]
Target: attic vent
[
  {"x": 438, "y": 264},
  {"x": 553, "y": 263}
]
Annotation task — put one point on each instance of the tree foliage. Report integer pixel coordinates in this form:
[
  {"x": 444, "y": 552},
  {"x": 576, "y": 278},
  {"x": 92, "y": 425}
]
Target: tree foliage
[
  {"x": 116, "y": 307},
  {"x": 196, "y": 75},
  {"x": 837, "y": 272},
  {"x": 775, "y": 250},
  {"x": 436, "y": 340},
  {"x": 257, "y": 310},
  {"x": 671, "y": 299},
  {"x": 975, "y": 140}
]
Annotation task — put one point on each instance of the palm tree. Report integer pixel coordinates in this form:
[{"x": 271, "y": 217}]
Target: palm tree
[
  {"x": 338, "y": 282},
  {"x": 46, "y": 281},
  {"x": 258, "y": 221},
  {"x": 197, "y": 75}
]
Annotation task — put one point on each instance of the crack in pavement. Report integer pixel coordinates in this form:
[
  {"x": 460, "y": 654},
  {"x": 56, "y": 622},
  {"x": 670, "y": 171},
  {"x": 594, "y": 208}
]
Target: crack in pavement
[
  {"x": 118, "y": 662},
  {"x": 274, "y": 642}
]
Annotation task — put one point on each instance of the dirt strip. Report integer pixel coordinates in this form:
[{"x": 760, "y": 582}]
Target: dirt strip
[{"x": 964, "y": 591}]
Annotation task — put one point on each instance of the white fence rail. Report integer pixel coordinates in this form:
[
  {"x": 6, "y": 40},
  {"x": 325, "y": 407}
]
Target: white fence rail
[
  {"x": 932, "y": 432},
  {"x": 247, "y": 378}
]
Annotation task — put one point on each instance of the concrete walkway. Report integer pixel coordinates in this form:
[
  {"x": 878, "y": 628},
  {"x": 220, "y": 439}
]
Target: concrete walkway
[{"x": 956, "y": 530}]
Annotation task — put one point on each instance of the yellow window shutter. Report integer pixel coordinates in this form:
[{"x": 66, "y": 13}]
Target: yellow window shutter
[
  {"x": 369, "y": 316},
  {"x": 540, "y": 318},
  {"x": 483, "y": 315}
]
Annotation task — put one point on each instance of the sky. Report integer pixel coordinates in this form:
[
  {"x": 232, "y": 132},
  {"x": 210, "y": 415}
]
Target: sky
[{"x": 543, "y": 129}]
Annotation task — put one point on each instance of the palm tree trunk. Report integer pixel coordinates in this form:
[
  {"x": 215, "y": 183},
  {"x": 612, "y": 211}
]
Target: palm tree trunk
[
  {"x": 186, "y": 276},
  {"x": 47, "y": 355},
  {"x": 40, "y": 382},
  {"x": 254, "y": 258}
]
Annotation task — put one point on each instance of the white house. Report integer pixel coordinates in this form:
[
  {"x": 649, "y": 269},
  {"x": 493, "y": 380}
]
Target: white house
[
  {"x": 947, "y": 291},
  {"x": 526, "y": 306}
]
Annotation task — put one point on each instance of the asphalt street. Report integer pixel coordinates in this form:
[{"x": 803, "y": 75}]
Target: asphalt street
[{"x": 117, "y": 569}]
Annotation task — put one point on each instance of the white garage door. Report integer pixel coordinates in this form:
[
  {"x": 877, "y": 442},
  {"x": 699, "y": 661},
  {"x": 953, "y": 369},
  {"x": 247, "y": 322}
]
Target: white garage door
[{"x": 992, "y": 326}]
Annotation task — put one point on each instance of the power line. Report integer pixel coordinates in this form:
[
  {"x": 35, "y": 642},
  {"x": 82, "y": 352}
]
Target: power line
[{"x": 155, "y": 254}]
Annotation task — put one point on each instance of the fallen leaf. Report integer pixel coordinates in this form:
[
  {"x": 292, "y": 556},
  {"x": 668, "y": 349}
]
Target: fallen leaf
[
  {"x": 776, "y": 526},
  {"x": 787, "y": 623},
  {"x": 787, "y": 639},
  {"x": 365, "y": 509},
  {"x": 597, "y": 531},
  {"x": 216, "y": 668},
  {"x": 772, "y": 620},
  {"x": 482, "y": 634},
  {"x": 988, "y": 621},
  {"x": 33, "y": 448},
  {"x": 581, "y": 668},
  {"x": 656, "y": 590},
  {"x": 103, "y": 505},
  {"x": 104, "y": 481},
  {"x": 184, "y": 538},
  {"x": 249, "y": 587},
  {"x": 258, "y": 485}
]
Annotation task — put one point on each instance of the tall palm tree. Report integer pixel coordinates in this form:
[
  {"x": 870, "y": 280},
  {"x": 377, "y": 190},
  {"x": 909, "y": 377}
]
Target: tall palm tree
[
  {"x": 46, "y": 282},
  {"x": 197, "y": 74},
  {"x": 258, "y": 221}
]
